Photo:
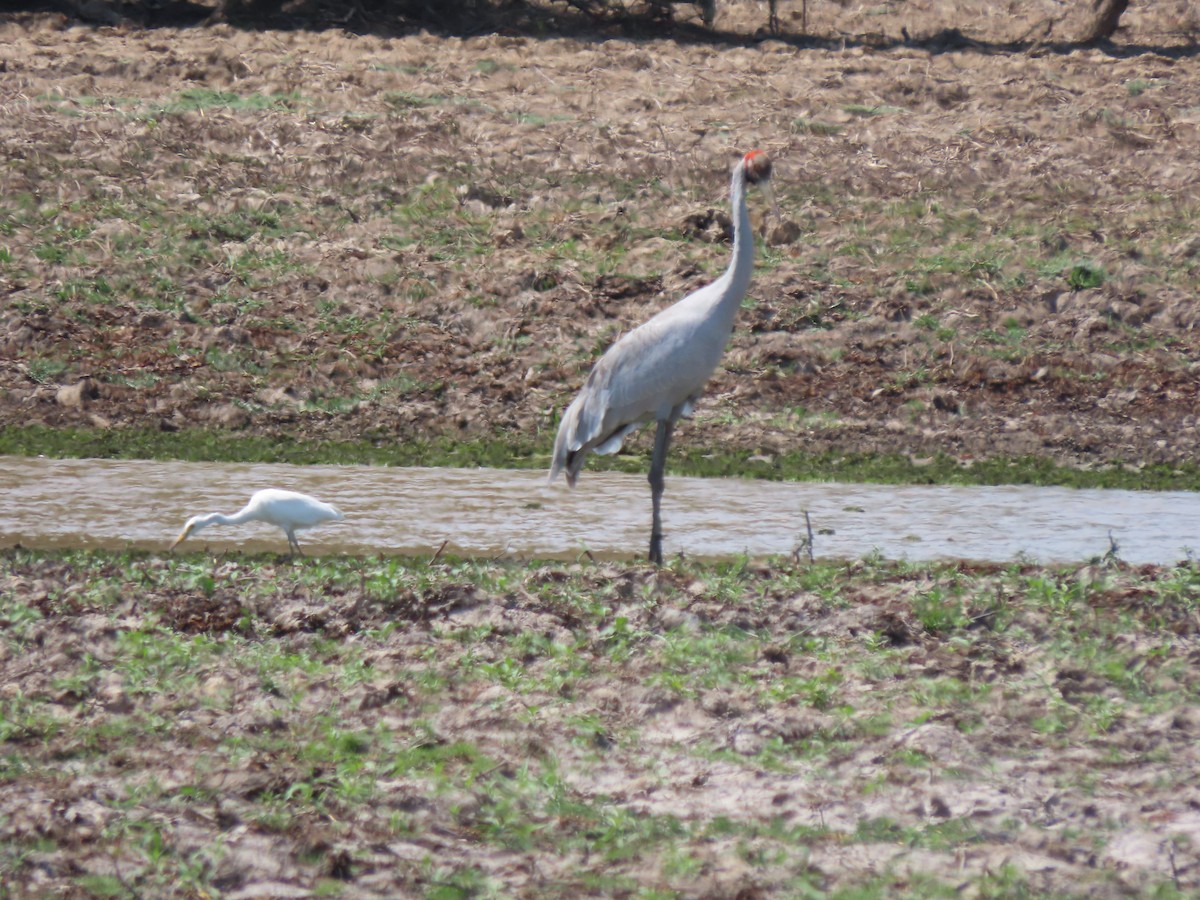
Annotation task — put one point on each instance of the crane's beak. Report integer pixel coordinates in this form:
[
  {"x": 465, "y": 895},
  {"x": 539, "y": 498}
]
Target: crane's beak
[{"x": 765, "y": 187}]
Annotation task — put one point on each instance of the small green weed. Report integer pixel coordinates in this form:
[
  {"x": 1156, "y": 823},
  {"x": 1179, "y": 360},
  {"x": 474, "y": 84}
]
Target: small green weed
[
  {"x": 198, "y": 99},
  {"x": 867, "y": 111},
  {"x": 815, "y": 127},
  {"x": 939, "y": 612},
  {"x": 1082, "y": 276},
  {"x": 45, "y": 370}
]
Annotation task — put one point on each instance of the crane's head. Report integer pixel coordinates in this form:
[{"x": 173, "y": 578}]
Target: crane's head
[{"x": 757, "y": 166}]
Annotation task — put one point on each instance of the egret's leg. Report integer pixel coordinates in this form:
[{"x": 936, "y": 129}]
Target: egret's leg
[
  {"x": 293, "y": 543},
  {"x": 658, "y": 465}
]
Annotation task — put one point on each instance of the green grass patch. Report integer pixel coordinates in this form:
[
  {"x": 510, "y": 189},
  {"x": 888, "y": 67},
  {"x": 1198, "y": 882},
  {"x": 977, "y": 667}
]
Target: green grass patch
[
  {"x": 522, "y": 453},
  {"x": 816, "y": 127},
  {"x": 198, "y": 99},
  {"x": 866, "y": 111},
  {"x": 375, "y": 719}
]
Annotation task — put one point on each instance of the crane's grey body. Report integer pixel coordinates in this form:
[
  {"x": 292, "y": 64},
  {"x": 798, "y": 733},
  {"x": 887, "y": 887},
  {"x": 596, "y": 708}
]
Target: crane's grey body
[{"x": 658, "y": 370}]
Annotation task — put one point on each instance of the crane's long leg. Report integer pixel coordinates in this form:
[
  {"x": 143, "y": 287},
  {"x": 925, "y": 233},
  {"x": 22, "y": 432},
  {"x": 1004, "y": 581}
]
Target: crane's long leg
[
  {"x": 658, "y": 465},
  {"x": 294, "y": 544}
]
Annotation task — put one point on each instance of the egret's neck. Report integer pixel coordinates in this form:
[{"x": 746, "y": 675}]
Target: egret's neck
[{"x": 221, "y": 519}]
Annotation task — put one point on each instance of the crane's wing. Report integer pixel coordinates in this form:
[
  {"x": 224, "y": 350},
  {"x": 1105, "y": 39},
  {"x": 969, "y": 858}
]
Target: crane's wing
[{"x": 653, "y": 372}]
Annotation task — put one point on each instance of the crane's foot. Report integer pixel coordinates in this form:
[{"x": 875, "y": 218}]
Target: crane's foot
[{"x": 656, "y": 549}]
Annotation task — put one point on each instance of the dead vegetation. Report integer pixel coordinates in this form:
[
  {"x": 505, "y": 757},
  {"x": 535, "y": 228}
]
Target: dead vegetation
[
  {"x": 315, "y": 236},
  {"x": 327, "y": 236},
  {"x": 191, "y": 727}
]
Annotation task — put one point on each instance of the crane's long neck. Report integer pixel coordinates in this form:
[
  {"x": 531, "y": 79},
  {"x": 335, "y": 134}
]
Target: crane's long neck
[{"x": 741, "y": 267}]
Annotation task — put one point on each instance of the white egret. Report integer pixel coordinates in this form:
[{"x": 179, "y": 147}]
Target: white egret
[
  {"x": 658, "y": 370},
  {"x": 288, "y": 510}
]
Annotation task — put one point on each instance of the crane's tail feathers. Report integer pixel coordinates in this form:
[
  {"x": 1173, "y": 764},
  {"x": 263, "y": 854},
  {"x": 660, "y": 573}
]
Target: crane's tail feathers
[{"x": 613, "y": 442}]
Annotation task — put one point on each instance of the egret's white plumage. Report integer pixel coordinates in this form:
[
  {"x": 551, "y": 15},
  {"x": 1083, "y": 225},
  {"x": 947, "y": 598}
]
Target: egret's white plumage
[
  {"x": 288, "y": 510},
  {"x": 658, "y": 370}
]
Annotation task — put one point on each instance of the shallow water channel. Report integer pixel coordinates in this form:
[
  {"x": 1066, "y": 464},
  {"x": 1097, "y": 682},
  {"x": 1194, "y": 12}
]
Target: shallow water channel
[{"x": 115, "y": 504}]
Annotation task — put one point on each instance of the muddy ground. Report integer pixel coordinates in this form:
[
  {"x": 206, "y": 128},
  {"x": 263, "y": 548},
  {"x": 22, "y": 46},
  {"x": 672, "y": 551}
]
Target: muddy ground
[
  {"x": 334, "y": 235},
  {"x": 329, "y": 235},
  {"x": 257, "y": 728}
]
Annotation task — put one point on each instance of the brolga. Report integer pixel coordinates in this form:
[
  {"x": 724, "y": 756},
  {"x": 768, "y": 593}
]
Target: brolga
[
  {"x": 658, "y": 370},
  {"x": 288, "y": 510}
]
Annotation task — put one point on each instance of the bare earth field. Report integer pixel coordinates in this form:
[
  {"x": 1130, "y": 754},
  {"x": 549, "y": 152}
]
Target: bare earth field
[
  {"x": 331, "y": 236},
  {"x": 253, "y": 728},
  {"x": 323, "y": 236}
]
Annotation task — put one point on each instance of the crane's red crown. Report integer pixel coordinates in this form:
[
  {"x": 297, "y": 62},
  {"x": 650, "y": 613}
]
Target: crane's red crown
[{"x": 757, "y": 166}]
